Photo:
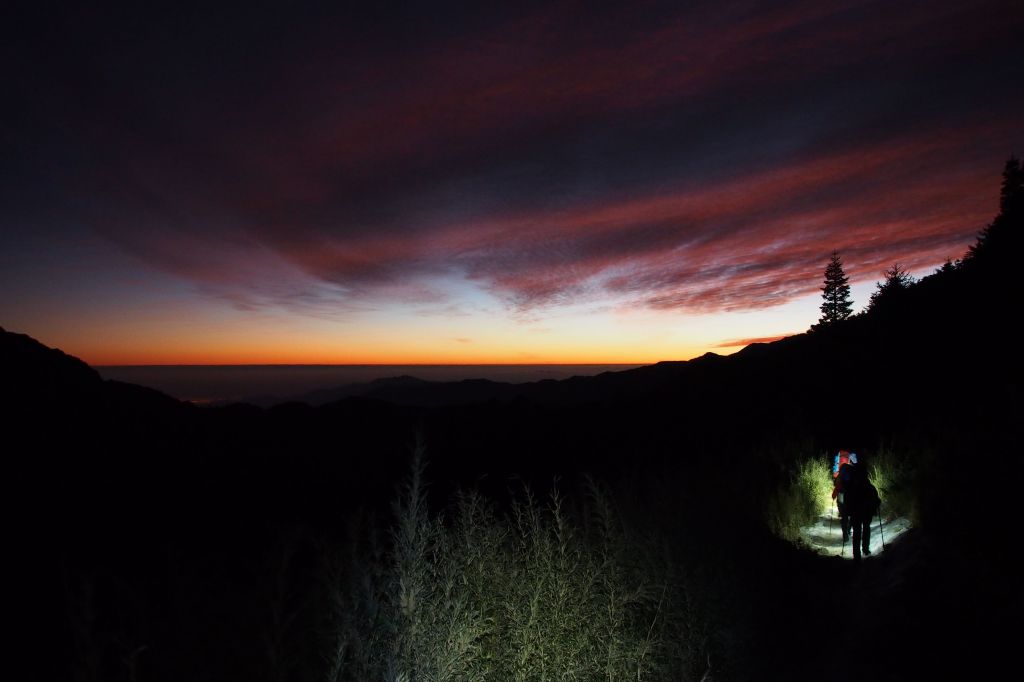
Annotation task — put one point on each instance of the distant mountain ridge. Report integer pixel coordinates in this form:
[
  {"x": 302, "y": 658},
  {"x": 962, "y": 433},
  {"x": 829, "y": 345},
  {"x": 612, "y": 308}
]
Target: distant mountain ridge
[
  {"x": 412, "y": 390},
  {"x": 60, "y": 371},
  {"x": 34, "y": 367}
]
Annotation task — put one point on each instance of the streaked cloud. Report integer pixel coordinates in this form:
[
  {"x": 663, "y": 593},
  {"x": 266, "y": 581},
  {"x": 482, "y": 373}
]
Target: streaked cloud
[
  {"x": 739, "y": 343},
  {"x": 700, "y": 158}
]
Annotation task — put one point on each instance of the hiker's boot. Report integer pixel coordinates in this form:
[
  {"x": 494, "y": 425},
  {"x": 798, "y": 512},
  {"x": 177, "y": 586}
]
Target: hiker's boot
[{"x": 866, "y": 552}]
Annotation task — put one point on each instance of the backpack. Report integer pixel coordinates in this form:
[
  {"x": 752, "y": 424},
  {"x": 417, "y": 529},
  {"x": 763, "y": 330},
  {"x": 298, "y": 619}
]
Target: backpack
[
  {"x": 870, "y": 500},
  {"x": 841, "y": 458}
]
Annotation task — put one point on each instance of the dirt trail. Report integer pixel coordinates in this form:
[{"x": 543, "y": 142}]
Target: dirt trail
[
  {"x": 826, "y": 535},
  {"x": 851, "y": 605}
]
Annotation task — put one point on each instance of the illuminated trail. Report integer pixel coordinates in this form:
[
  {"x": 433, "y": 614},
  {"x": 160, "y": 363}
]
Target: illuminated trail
[{"x": 826, "y": 535}]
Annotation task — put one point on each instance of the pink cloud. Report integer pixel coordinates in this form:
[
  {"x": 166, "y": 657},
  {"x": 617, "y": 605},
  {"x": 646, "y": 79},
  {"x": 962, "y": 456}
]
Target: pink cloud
[
  {"x": 736, "y": 343},
  {"x": 359, "y": 192}
]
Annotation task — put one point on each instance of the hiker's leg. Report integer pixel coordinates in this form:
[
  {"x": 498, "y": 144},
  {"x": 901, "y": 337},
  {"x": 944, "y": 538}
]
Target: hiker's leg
[
  {"x": 856, "y": 537},
  {"x": 866, "y": 537}
]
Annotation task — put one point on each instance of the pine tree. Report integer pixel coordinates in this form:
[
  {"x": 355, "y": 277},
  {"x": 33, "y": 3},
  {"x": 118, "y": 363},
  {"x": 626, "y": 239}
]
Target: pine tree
[
  {"x": 837, "y": 304},
  {"x": 896, "y": 282},
  {"x": 1011, "y": 194},
  {"x": 1001, "y": 239}
]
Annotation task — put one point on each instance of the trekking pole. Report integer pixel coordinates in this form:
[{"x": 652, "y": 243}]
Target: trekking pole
[{"x": 880, "y": 531}]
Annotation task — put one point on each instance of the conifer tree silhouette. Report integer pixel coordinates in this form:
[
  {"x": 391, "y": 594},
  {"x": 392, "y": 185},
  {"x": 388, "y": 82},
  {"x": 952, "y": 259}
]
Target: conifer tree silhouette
[
  {"x": 896, "y": 282},
  {"x": 837, "y": 304},
  {"x": 1011, "y": 195},
  {"x": 1002, "y": 237}
]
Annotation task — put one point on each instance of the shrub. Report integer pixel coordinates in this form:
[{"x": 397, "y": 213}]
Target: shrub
[
  {"x": 526, "y": 595},
  {"x": 893, "y": 473},
  {"x": 804, "y": 495}
]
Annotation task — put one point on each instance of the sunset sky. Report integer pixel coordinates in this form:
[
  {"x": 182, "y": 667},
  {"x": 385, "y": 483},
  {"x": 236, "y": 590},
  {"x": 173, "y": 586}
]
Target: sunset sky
[{"x": 435, "y": 183}]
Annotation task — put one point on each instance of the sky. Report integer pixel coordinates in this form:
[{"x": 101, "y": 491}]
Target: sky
[{"x": 442, "y": 183}]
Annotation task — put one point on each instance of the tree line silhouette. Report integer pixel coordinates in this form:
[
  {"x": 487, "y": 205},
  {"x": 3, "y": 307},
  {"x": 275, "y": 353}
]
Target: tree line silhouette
[{"x": 992, "y": 246}]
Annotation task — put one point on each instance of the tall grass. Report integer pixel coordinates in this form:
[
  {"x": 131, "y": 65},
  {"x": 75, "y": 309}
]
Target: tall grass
[
  {"x": 894, "y": 474},
  {"x": 804, "y": 494},
  {"x": 534, "y": 593}
]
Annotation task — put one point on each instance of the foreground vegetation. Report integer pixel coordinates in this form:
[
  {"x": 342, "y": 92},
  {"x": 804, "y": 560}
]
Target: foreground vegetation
[{"x": 537, "y": 592}]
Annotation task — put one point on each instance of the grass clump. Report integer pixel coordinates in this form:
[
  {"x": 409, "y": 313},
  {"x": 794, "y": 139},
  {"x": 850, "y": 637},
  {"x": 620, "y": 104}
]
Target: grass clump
[
  {"x": 534, "y": 593},
  {"x": 804, "y": 494},
  {"x": 893, "y": 474}
]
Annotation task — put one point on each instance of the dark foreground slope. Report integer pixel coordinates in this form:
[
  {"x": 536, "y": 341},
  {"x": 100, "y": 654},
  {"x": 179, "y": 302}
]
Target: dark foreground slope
[{"x": 153, "y": 540}]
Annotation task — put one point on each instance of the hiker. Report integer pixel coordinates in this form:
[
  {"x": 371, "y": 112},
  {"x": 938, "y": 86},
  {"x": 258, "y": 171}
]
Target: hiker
[
  {"x": 842, "y": 472},
  {"x": 862, "y": 503}
]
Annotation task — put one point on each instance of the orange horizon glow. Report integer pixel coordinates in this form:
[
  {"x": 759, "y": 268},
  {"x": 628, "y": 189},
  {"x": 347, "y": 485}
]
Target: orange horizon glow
[
  {"x": 609, "y": 345},
  {"x": 231, "y": 358},
  {"x": 226, "y": 357}
]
